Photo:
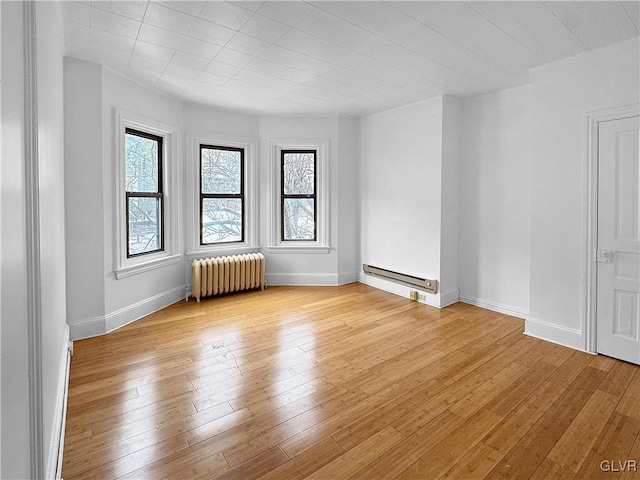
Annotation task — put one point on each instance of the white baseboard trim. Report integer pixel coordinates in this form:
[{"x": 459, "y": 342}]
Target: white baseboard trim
[
  {"x": 88, "y": 327},
  {"x": 304, "y": 279},
  {"x": 345, "y": 278},
  {"x": 433, "y": 300},
  {"x": 56, "y": 442},
  {"x": 134, "y": 312},
  {"x": 95, "y": 326},
  {"x": 565, "y": 336},
  {"x": 494, "y": 306},
  {"x": 449, "y": 298}
]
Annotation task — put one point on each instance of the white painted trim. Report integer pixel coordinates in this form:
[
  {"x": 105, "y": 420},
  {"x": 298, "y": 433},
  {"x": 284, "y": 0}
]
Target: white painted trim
[
  {"x": 495, "y": 307},
  {"x": 33, "y": 234},
  {"x": 87, "y": 328},
  {"x": 322, "y": 244},
  {"x": 251, "y": 186},
  {"x": 431, "y": 299},
  {"x": 551, "y": 332},
  {"x": 95, "y": 326},
  {"x": 439, "y": 300},
  {"x": 140, "y": 309},
  {"x": 123, "y": 266},
  {"x": 449, "y": 298},
  {"x": 592, "y": 122},
  {"x": 147, "y": 266},
  {"x": 64, "y": 413},
  {"x": 345, "y": 278},
  {"x": 56, "y": 442},
  {"x": 297, "y": 249}
]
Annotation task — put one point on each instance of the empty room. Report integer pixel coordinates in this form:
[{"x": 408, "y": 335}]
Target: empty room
[{"x": 320, "y": 240}]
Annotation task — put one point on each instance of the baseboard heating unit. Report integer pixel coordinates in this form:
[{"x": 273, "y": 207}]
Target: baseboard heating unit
[
  {"x": 218, "y": 275},
  {"x": 429, "y": 286}
]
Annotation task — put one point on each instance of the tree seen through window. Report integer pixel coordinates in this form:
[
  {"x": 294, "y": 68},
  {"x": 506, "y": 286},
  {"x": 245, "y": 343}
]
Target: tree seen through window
[
  {"x": 144, "y": 193},
  {"x": 221, "y": 194}
]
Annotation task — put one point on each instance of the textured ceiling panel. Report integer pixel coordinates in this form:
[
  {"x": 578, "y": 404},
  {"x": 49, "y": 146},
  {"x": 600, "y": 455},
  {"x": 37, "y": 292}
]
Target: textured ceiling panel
[{"x": 336, "y": 57}]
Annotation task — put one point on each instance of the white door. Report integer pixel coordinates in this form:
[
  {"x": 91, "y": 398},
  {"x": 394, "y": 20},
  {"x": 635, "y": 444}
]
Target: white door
[{"x": 618, "y": 253}]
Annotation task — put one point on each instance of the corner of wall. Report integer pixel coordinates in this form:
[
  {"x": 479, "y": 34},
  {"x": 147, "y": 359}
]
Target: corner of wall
[
  {"x": 99, "y": 325},
  {"x": 451, "y": 131}
]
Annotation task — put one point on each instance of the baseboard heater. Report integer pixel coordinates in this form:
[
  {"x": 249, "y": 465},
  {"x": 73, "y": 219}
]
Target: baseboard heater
[
  {"x": 430, "y": 286},
  {"x": 218, "y": 275}
]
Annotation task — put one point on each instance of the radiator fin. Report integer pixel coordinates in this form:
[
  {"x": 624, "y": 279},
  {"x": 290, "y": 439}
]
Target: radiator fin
[{"x": 217, "y": 275}]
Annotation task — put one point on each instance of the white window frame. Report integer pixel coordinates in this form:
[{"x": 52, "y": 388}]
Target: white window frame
[
  {"x": 321, "y": 244},
  {"x": 250, "y": 243},
  {"x": 126, "y": 267}
]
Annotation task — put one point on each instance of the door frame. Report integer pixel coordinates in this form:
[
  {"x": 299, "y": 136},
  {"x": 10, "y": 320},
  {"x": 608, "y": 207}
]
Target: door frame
[{"x": 593, "y": 121}]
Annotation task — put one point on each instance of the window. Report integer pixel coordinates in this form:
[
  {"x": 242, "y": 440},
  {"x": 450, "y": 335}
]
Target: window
[
  {"x": 221, "y": 195},
  {"x": 298, "y": 195},
  {"x": 147, "y": 193},
  {"x": 144, "y": 193}
]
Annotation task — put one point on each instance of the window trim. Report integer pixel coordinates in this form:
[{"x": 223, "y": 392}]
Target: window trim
[
  {"x": 125, "y": 266},
  {"x": 321, "y": 243},
  {"x": 159, "y": 194},
  {"x": 240, "y": 195},
  {"x": 249, "y": 243},
  {"x": 284, "y": 196}
]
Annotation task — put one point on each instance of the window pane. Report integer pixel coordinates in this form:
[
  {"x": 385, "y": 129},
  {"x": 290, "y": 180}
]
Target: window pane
[
  {"x": 142, "y": 163},
  {"x": 144, "y": 225},
  {"x": 299, "y": 173},
  {"x": 221, "y": 220},
  {"x": 221, "y": 171},
  {"x": 299, "y": 219}
]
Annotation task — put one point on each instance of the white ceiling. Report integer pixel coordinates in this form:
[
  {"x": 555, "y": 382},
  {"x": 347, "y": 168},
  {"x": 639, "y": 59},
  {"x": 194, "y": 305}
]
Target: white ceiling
[{"x": 336, "y": 57}]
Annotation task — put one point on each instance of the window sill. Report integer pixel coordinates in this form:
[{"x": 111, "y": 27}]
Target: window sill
[
  {"x": 300, "y": 249},
  {"x": 218, "y": 252},
  {"x": 143, "y": 267}
]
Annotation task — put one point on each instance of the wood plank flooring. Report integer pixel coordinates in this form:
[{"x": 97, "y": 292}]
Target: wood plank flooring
[{"x": 345, "y": 382}]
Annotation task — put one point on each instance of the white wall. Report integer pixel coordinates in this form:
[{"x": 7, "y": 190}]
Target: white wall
[
  {"x": 203, "y": 119},
  {"x": 55, "y": 331},
  {"x": 127, "y": 299},
  {"x": 309, "y": 268},
  {"x": 14, "y": 404},
  {"x": 98, "y": 302},
  {"x": 0, "y": 235},
  {"x": 562, "y": 94},
  {"x": 84, "y": 227},
  {"x": 451, "y": 132},
  {"x": 495, "y": 201},
  {"x": 401, "y": 173},
  {"x": 348, "y": 201},
  {"x": 400, "y": 170},
  {"x": 207, "y": 124},
  {"x": 49, "y": 300}
]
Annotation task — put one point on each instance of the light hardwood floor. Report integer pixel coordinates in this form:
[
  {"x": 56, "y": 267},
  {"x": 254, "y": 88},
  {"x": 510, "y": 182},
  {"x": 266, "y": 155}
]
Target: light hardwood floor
[{"x": 345, "y": 382}]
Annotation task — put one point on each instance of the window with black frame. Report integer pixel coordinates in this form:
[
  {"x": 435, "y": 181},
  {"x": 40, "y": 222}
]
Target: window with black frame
[
  {"x": 144, "y": 193},
  {"x": 298, "y": 195},
  {"x": 222, "y": 199}
]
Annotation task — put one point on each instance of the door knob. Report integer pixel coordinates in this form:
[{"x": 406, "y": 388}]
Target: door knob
[{"x": 604, "y": 256}]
